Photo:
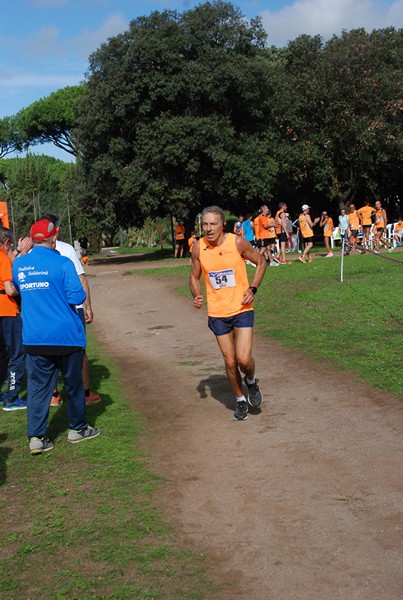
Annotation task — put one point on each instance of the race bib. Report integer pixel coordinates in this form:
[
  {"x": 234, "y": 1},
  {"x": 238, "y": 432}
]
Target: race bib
[{"x": 222, "y": 279}]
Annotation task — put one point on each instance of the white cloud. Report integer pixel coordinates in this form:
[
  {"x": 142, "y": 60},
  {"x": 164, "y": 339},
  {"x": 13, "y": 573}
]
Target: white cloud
[
  {"x": 328, "y": 17},
  {"x": 88, "y": 41},
  {"x": 45, "y": 42}
]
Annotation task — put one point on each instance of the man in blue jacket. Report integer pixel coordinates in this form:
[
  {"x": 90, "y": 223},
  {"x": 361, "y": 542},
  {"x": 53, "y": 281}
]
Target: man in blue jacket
[{"x": 53, "y": 335}]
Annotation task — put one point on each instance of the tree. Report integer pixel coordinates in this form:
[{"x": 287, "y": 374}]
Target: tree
[
  {"x": 339, "y": 114},
  {"x": 51, "y": 119},
  {"x": 9, "y": 141},
  {"x": 173, "y": 116},
  {"x": 35, "y": 185}
]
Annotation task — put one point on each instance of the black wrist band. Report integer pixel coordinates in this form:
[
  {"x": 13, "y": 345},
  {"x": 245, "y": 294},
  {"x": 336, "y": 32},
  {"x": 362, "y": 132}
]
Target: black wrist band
[
  {"x": 18, "y": 251},
  {"x": 254, "y": 289}
]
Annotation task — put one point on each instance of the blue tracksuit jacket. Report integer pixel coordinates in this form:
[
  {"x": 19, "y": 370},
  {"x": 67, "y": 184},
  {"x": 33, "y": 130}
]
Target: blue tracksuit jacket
[{"x": 50, "y": 289}]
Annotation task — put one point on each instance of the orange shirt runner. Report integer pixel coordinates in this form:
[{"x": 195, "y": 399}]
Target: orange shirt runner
[
  {"x": 354, "y": 220},
  {"x": 225, "y": 277},
  {"x": 366, "y": 213},
  {"x": 328, "y": 228},
  {"x": 8, "y": 306}
]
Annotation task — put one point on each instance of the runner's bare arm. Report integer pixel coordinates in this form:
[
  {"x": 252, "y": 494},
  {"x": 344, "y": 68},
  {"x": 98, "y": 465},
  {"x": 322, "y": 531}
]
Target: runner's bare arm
[
  {"x": 247, "y": 252},
  {"x": 88, "y": 314},
  {"x": 195, "y": 274},
  {"x": 10, "y": 289}
]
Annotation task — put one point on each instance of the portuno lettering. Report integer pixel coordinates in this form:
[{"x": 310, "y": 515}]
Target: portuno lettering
[{"x": 34, "y": 285}]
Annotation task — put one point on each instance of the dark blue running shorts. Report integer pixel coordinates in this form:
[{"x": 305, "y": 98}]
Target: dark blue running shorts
[{"x": 222, "y": 326}]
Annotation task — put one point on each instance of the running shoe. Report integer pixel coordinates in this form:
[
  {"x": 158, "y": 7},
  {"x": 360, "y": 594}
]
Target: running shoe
[
  {"x": 277, "y": 260},
  {"x": 390, "y": 249},
  {"x": 274, "y": 264},
  {"x": 241, "y": 411},
  {"x": 84, "y": 434},
  {"x": 40, "y": 445},
  {"x": 329, "y": 254},
  {"x": 18, "y": 404},
  {"x": 56, "y": 399},
  {"x": 254, "y": 394},
  {"x": 302, "y": 259},
  {"x": 92, "y": 398}
]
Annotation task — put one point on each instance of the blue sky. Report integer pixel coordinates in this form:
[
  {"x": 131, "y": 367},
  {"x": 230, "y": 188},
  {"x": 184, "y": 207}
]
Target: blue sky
[{"x": 45, "y": 44}]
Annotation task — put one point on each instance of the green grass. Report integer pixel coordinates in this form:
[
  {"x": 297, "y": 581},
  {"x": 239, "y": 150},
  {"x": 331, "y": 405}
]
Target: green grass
[
  {"x": 80, "y": 521},
  {"x": 355, "y": 326}
]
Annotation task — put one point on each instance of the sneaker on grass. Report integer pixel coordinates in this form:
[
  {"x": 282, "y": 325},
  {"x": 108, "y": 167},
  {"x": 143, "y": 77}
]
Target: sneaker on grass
[
  {"x": 40, "y": 445},
  {"x": 254, "y": 394},
  {"x": 241, "y": 411},
  {"x": 84, "y": 434},
  {"x": 18, "y": 404}
]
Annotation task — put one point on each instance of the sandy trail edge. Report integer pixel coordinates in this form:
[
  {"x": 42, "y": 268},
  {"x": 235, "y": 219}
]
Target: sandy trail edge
[{"x": 301, "y": 501}]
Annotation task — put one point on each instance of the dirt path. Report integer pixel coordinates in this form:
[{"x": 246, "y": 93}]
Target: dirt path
[{"x": 300, "y": 501}]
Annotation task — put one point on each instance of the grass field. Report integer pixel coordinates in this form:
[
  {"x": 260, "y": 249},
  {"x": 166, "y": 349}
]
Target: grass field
[
  {"x": 79, "y": 522},
  {"x": 355, "y": 326}
]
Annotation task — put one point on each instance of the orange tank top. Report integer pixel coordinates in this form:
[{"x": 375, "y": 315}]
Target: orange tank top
[
  {"x": 263, "y": 232},
  {"x": 304, "y": 226},
  {"x": 277, "y": 221},
  {"x": 225, "y": 277},
  {"x": 256, "y": 228},
  {"x": 354, "y": 220},
  {"x": 379, "y": 222}
]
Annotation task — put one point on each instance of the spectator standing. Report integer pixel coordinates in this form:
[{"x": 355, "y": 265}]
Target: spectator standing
[
  {"x": 238, "y": 226},
  {"x": 191, "y": 241},
  {"x": 53, "y": 335},
  {"x": 290, "y": 242},
  {"x": 306, "y": 226},
  {"x": 281, "y": 231},
  {"x": 327, "y": 223},
  {"x": 354, "y": 225},
  {"x": 343, "y": 228},
  {"x": 381, "y": 221},
  {"x": 179, "y": 240},
  {"x": 255, "y": 225},
  {"x": 84, "y": 247},
  {"x": 247, "y": 229},
  {"x": 84, "y": 311},
  {"x": 366, "y": 213},
  {"x": 12, "y": 366}
]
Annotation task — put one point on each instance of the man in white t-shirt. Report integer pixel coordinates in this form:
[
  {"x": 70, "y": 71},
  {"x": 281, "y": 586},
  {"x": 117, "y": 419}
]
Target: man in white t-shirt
[{"x": 84, "y": 311}]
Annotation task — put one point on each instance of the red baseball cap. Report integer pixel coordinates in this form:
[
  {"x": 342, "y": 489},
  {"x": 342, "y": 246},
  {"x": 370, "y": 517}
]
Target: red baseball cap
[{"x": 43, "y": 230}]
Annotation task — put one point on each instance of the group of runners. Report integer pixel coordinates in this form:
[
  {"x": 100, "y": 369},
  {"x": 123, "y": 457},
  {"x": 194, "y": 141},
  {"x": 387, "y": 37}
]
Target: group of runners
[{"x": 273, "y": 235}]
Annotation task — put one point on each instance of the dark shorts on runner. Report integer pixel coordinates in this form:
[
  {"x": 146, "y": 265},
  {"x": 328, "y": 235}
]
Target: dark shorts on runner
[
  {"x": 264, "y": 243},
  {"x": 354, "y": 232},
  {"x": 222, "y": 326},
  {"x": 282, "y": 237},
  {"x": 307, "y": 240},
  {"x": 180, "y": 242},
  {"x": 379, "y": 229}
]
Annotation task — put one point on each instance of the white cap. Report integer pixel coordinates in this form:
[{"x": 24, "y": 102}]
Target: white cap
[{"x": 305, "y": 206}]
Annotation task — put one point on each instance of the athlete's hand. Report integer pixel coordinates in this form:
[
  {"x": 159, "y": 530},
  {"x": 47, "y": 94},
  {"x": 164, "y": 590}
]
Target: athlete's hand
[
  {"x": 248, "y": 297},
  {"x": 198, "y": 301}
]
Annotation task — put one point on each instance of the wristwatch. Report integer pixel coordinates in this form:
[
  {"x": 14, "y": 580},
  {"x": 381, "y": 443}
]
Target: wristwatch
[{"x": 254, "y": 289}]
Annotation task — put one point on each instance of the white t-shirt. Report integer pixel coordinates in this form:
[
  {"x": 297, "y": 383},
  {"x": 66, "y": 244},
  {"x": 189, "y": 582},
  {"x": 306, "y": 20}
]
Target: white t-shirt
[{"x": 67, "y": 250}]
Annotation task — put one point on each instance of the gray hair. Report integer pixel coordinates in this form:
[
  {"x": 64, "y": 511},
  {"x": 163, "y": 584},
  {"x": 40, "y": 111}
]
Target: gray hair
[{"x": 216, "y": 210}]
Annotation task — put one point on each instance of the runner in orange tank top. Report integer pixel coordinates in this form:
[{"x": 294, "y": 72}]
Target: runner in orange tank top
[
  {"x": 306, "y": 226},
  {"x": 381, "y": 221},
  {"x": 220, "y": 258}
]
